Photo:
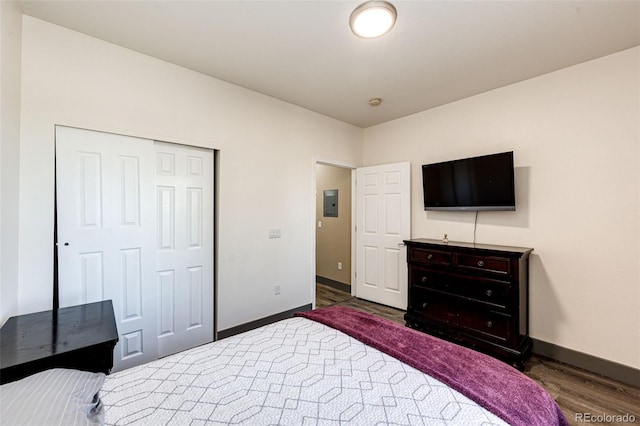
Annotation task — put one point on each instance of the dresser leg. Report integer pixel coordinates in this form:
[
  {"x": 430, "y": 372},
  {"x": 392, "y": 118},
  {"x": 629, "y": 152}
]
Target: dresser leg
[{"x": 518, "y": 364}]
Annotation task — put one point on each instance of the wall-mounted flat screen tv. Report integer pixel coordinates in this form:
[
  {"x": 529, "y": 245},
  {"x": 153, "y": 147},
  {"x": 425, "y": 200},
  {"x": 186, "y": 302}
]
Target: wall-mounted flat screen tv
[{"x": 477, "y": 183}]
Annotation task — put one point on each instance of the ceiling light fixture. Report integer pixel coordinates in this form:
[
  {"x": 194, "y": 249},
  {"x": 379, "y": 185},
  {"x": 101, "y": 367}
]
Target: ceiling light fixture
[
  {"x": 372, "y": 19},
  {"x": 374, "y": 102}
]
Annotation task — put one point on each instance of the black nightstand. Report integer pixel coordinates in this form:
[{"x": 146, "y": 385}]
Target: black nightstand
[{"x": 80, "y": 337}]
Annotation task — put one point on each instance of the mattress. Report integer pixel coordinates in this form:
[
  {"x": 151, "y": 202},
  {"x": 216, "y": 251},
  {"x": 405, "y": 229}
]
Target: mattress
[
  {"x": 294, "y": 372},
  {"x": 327, "y": 367}
]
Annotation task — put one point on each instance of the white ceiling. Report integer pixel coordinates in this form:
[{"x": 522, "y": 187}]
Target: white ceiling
[{"x": 303, "y": 52}]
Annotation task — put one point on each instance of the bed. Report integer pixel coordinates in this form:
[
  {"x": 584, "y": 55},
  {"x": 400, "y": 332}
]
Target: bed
[{"x": 330, "y": 366}]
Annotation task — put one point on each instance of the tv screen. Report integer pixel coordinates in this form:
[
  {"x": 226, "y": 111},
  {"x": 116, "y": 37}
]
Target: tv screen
[{"x": 478, "y": 183}]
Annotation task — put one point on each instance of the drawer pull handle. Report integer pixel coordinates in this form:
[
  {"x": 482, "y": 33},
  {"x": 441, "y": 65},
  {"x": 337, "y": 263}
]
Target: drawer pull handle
[
  {"x": 489, "y": 324},
  {"x": 489, "y": 293},
  {"x": 480, "y": 263},
  {"x": 424, "y": 305},
  {"x": 424, "y": 279},
  {"x": 430, "y": 257}
]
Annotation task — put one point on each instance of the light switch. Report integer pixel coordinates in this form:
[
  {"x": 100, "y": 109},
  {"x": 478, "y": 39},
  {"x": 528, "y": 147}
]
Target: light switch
[{"x": 275, "y": 233}]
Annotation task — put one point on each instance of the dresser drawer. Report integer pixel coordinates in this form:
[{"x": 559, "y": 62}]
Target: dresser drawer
[
  {"x": 446, "y": 310},
  {"x": 497, "y": 266},
  {"x": 430, "y": 257},
  {"x": 488, "y": 325},
  {"x": 488, "y": 292}
]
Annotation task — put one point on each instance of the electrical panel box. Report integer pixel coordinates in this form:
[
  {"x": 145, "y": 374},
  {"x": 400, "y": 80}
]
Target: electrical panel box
[{"x": 330, "y": 203}]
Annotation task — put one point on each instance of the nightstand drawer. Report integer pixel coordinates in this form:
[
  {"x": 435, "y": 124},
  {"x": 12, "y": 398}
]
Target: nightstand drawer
[{"x": 486, "y": 264}]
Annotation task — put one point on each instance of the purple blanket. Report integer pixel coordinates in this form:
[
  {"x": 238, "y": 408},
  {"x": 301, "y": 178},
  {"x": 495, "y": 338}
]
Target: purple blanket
[{"x": 494, "y": 385}]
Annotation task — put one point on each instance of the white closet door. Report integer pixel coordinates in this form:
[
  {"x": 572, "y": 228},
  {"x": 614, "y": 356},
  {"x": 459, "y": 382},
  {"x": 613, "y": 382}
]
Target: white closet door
[
  {"x": 184, "y": 246},
  {"x": 135, "y": 225},
  {"x": 383, "y": 222},
  {"x": 106, "y": 230}
]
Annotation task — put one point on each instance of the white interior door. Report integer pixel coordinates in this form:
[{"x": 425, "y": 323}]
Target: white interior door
[
  {"x": 184, "y": 246},
  {"x": 383, "y": 221},
  {"x": 135, "y": 225},
  {"x": 106, "y": 228}
]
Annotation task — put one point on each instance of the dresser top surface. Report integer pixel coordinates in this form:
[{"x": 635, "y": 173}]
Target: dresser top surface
[
  {"x": 453, "y": 245},
  {"x": 30, "y": 337}
]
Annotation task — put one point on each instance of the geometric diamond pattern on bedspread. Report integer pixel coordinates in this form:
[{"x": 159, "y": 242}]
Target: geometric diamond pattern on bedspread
[{"x": 294, "y": 372}]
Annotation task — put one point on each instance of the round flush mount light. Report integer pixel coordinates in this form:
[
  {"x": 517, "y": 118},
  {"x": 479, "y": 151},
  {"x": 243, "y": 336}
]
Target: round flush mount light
[
  {"x": 372, "y": 19},
  {"x": 374, "y": 102}
]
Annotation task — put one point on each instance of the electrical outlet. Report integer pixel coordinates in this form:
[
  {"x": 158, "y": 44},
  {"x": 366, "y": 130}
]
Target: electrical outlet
[
  {"x": 276, "y": 290},
  {"x": 339, "y": 266}
]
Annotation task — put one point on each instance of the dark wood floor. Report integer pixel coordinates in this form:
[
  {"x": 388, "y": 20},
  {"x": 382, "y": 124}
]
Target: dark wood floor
[{"x": 576, "y": 391}]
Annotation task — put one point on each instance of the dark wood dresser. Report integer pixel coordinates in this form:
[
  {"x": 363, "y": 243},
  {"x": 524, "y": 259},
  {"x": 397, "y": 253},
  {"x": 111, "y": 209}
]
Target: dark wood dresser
[
  {"x": 80, "y": 337},
  {"x": 476, "y": 295}
]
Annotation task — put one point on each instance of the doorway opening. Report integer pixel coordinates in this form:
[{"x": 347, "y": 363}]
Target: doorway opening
[
  {"x": 334, "y": 234},
  {"x": 377, "y": 231}
]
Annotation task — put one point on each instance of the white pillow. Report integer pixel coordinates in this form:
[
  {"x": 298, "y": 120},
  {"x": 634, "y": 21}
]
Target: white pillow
[{"x": 53, "y": 397}]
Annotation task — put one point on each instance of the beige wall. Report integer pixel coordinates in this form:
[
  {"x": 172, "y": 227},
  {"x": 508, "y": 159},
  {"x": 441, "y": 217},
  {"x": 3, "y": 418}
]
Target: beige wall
[
  {"x": 333, "y": 240},
  {"x": 575, "y": 134},
  {"x": 264, "y": 145}
]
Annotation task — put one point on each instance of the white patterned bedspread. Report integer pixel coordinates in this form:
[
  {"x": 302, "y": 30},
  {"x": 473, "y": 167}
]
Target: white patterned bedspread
[{"x": 294, "y": 372}]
